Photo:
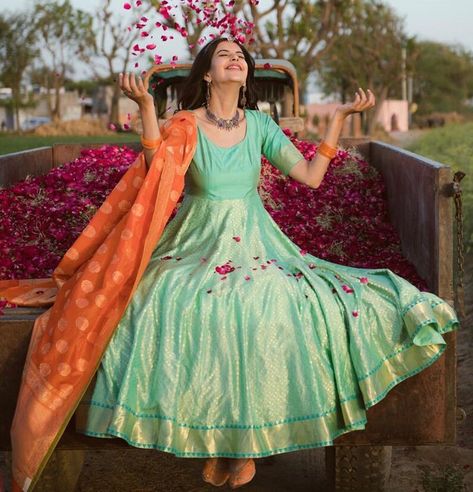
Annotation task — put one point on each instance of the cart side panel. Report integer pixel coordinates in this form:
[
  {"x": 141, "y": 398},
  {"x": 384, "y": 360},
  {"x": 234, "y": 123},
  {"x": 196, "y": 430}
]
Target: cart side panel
[
  {"x": 411, "y": 185},
  {"x": 16, "y": 166},
  {"x": 420, "y": 409},
  {"x": 63, "y": 153}
]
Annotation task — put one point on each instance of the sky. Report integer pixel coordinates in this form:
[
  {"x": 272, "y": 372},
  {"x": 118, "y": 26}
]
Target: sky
[{"x": 447, "y": 21}]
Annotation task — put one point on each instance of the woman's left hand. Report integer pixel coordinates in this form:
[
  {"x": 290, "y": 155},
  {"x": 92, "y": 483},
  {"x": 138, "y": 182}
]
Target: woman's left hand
[{"x": 359, "y": 104}]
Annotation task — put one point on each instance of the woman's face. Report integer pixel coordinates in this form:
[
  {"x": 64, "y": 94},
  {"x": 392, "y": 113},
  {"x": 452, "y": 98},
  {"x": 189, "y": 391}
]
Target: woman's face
[{"x": 228, "y": 64}]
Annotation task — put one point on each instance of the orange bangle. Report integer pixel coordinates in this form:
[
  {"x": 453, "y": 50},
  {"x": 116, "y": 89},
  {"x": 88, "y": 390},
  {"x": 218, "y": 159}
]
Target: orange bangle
[
  {"x": 149, "y": 144},
  {"x": 326, "y": 150}
]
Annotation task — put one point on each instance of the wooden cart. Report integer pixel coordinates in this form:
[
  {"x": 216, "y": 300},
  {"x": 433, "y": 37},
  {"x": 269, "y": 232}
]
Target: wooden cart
[{"x": 419, "y": 193}]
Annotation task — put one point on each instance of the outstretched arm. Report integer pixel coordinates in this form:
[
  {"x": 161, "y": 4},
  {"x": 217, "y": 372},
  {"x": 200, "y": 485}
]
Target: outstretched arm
[
  {"x": 138, "y": 91},
  {"x": 313, "y": 172}
]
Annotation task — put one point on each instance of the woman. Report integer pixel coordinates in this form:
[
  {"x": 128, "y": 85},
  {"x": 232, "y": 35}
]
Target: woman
[{"x": 237, "y": 344}]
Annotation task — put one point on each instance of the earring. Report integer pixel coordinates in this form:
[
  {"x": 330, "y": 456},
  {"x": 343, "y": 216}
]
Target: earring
[
  {"x": 207, "y": 95},
  {"x": 243, "y": 98}
]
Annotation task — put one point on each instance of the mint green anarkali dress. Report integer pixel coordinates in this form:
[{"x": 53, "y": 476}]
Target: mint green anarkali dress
[{"x": 238, "y": 344}]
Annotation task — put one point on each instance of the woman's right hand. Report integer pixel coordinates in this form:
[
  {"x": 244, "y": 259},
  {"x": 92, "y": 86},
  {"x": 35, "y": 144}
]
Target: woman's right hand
[
  {"x": 359, "y": 104},
  {"x": 135, "y": 90}
]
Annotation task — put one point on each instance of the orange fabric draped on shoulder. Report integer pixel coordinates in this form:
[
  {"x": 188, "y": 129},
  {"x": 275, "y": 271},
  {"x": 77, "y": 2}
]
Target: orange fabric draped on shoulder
[{"x": 91, "y": 288}]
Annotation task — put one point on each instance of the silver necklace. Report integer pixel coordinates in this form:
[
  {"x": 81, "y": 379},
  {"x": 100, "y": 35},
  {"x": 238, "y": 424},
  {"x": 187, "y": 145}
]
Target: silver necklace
[{"x": 222, "y": 123}]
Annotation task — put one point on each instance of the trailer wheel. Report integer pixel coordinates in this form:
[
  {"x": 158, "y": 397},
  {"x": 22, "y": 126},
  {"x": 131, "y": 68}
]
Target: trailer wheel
[{"x": 358, "y": 468}]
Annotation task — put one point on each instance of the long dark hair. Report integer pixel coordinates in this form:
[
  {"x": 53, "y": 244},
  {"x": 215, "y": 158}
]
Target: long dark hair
[{"x": 193, "y": 89}]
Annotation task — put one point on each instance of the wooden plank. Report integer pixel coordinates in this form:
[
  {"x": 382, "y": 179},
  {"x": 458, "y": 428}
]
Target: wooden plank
[
  {"x": 412, "y": 192},
  {"x": 15, "y": 336},
  {"x": 16, "y": 166},
  {"x": 63, "y": 153},
  {"x": 421, "y": 211}
]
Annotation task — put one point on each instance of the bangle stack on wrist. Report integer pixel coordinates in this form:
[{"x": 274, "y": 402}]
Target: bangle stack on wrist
[
  {"x": 149, "y": 144},
  {"x": 327, "y": 150}
]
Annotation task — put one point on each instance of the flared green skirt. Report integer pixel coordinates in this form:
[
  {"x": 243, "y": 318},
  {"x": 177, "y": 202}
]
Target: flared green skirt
[{"x": 236, "y": 343}]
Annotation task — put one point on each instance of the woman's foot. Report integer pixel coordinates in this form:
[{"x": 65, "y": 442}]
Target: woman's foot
[
  {"x": 242, "y": 471},
  {"x": 216, "y": 471}
]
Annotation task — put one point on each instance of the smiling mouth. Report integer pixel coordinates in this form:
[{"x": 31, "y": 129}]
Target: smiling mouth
[{"x": 233, "y": 67}]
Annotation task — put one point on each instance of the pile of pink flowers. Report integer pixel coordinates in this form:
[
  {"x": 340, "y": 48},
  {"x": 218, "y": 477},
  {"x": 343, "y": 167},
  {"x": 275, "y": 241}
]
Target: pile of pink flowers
[
  {"x": 344, "y": 221},
  {"x": 41, "y": 217}
]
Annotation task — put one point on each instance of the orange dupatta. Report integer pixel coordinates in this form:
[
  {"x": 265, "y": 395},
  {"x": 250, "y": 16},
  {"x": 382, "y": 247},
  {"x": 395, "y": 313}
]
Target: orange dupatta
[{"x": 91, "y": 288}]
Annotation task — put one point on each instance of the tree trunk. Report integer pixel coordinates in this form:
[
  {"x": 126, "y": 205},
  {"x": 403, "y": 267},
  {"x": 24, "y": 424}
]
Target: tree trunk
[
  {"x": 114, "y": 105},
  {"x": 16, "y": 98},
  {"x": 17, "y": 117},
  {"x": 57, "y": 100}
]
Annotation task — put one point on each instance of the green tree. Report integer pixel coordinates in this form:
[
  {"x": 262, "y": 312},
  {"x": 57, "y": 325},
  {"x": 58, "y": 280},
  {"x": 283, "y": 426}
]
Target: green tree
[
  {"x": 17, "y": 52},
  {"x": 300, "y": 31},
  {"x": 368, "y": 54},
  {"x": 112, "y": 47},
  {"x": 443, "y": 78},
  {"x": 65, "y": 34}
]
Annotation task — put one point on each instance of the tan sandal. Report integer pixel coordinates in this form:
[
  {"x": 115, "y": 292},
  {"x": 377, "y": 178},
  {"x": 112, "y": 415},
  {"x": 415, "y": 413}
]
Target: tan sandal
[
  {"x": 215, "y": 473},
  {"x": 243, "y": 474}
]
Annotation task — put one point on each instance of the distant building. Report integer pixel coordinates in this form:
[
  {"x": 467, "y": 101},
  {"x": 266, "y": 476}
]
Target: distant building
[{"x": 393, "y": 116}]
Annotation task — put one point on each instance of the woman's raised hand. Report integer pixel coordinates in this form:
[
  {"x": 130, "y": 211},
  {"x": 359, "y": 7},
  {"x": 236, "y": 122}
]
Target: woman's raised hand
[
  {"x": 360, "y": 103},
  {"x": 136, "y": 90}
]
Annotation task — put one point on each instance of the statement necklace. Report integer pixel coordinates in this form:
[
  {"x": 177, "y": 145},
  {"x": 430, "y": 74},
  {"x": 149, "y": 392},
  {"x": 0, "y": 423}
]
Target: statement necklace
[{"x": 222, "y": 123}]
